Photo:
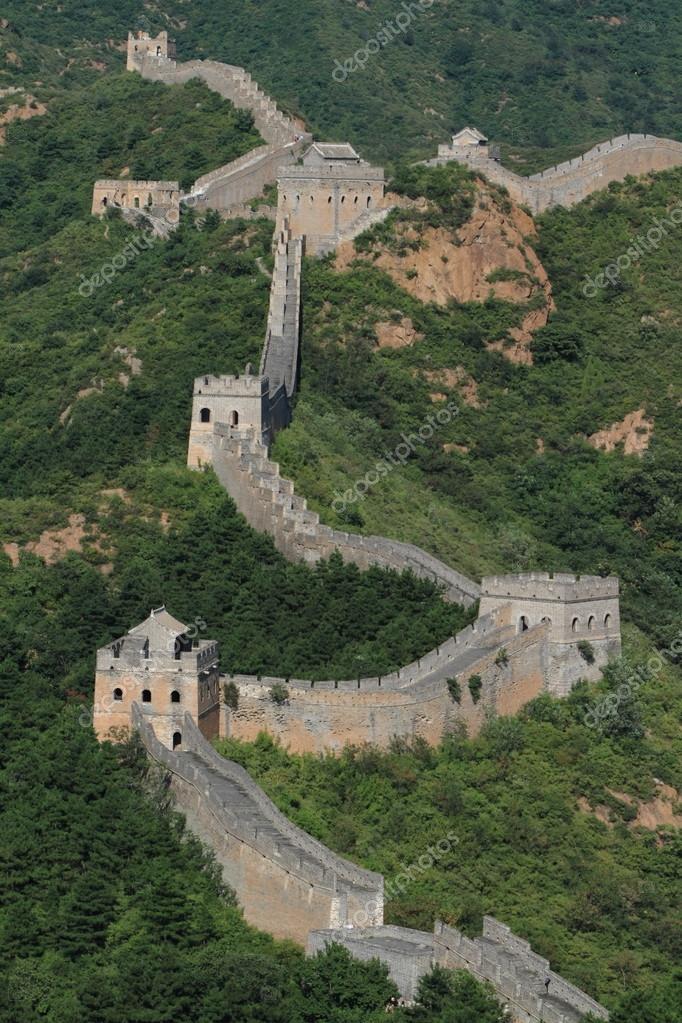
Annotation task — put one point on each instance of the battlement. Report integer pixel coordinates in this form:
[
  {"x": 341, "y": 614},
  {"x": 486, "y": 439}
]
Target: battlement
[
  {"x": 550, "y": 586},
  {"x": 142, "y": 45},
  {"x": 245, "y": 383},
  {"x": 160, "y": 199}
]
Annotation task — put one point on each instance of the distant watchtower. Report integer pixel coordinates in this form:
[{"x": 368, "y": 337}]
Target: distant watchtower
[
  {"x": 576, "y": 610},
  {"x": 160, "y": 665},
  {"x": 141, "y": 45}
]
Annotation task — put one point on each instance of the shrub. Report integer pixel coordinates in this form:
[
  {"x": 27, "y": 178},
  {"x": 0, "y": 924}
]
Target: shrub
[
  {"x": 475, "y": 687},
  {"x": 231, "y": 695},
  {"x": 502, "y": 659},
  {"x": 279, "y": 694},
  {"x": 455, "y": 690},
  {"x": 586, "y": 651}
]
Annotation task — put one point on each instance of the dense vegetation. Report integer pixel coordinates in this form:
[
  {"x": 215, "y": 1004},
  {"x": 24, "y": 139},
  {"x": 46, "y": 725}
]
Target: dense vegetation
[
  {"x": 122, "y": 127},
  {"x": 501, "y": 500},
  {"x": 107, "y": 910},
  {"x": 528, "y": 73},
  {"x": 602, "y": 901}
]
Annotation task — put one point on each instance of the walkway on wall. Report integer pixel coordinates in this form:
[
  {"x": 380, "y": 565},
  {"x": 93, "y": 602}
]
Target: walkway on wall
[{"x": 280, "y": 358}]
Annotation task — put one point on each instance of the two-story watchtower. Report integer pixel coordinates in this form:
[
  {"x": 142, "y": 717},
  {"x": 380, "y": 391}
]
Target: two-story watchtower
[
  {"x": 141, "y": 46},
  {"x": 160, "y": 666}
]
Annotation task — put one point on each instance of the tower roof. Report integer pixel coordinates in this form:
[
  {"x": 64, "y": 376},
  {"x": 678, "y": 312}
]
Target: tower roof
[{"x": 159, "y": 618}]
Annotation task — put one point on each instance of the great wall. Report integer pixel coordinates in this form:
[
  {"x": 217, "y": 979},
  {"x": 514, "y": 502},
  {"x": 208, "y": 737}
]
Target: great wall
[{"x": 529, "y": 636}]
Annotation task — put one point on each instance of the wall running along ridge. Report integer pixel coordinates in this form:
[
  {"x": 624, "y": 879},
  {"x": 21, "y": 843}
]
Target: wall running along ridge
[
  {"x": 246, "y": 177},
  {"x": 569, "y": 183},
  {"x": 518, "y": 975},
  {"x": 286, "y": 882}
]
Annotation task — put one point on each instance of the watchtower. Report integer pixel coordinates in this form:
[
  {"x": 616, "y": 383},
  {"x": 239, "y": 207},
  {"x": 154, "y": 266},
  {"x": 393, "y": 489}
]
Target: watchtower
[
  {"x": 229, "y": 406},
  {"x": 141, "y": 45},
  {"x": 163, "y": 666},
  {"x": 575, "y": 610},
  {"x": 328, "y": 195}
]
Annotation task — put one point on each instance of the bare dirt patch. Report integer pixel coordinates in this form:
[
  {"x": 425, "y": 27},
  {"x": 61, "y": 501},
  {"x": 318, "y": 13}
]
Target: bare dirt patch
[
  {"x": 488, "y": 256},
  {"x": 634, "y": 432},
  {"x": 20, "y": 112},
  {"x": 456, "y": 379},
  {"x": 656, "y": 813},
  {"x": 55, "y": 544}
]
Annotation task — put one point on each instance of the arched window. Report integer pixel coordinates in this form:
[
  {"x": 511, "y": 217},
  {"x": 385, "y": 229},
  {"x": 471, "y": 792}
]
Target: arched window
[
  {"x": 137, "y": 202},
  {"x": 369, "y": 201},
  {"x": 149, "y": 200},
  {"x": 546, "y": 621},
  {"x": 523, "y": 624},
  {"x": 234, "y": 419},
  {"x": 575, "y": 625},
  {"x": 205, "y": 415},
  {"x": 329, "y": 199},
  {"x": 355, "y": 200},
  {"x": 590, "y": 623},
  {"x": 118, "y": 695},
  {"x": 177, "y": 740},
  {"x": 105, "y": 201},
  {"x": 607, "y": 621},
  {"x": 117, "y": 650},
  {"x": 145, "y": 649},
  {"x": 312, "y": 199},
  {"x": 175, "y": 696},
  {"x": 158, "y": 51},
  {"x": 146, "y": 696},
  {"x": 343, "y": 199}
]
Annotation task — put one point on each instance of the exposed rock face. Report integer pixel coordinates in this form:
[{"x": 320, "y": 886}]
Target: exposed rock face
[
  {"x": 634, "y": 432},
  {"x": 456, "y": 379},
  {"x": 397, "y": 335},
  {"x": 489, "y": 255}
]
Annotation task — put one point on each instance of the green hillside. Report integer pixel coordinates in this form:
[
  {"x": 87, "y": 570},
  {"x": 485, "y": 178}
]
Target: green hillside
[
  {"x": 109, "y": 911},
  {"x": 538, "y": 73}
]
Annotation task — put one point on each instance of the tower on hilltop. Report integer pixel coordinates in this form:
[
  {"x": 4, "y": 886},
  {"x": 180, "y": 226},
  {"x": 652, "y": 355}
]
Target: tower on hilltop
[
  {"x": 167, "y": 670},
  {"x": 141, "y": 45}
]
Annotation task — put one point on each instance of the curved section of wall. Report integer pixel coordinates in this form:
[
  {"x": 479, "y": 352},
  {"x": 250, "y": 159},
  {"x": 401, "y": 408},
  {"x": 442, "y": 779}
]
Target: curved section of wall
[
  {"x": 287, "y": 882},
  {"x": 414, "y": 702},
  {"x": 233, "y": 83},
  {"x": 269, "y": 504},
  {"x": 569, "y": 183}
]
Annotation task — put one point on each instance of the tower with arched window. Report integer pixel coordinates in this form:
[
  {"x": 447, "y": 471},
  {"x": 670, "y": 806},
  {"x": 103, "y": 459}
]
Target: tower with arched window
[
  {"x": 579, "y": 615},
  {"x": 168, "y": 669},
  {"x": 141, "y": 46}
]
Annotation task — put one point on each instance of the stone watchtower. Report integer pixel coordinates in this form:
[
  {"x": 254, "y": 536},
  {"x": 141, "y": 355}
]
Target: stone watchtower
[
  {"x": 159, "y": 666},
  {"x": 141, "y": 46},
  {"x": 227, "y": 406},
  {"x": 575, "y": 610},
  {"x": 331, "y": 194}
]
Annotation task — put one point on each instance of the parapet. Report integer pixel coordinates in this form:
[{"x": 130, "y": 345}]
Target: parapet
[
  {"x": 560, "y": 586},
  {"x": 241, "y": 384}
]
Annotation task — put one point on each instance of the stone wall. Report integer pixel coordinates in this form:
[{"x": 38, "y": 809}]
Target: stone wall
[
  {"x": 234, "y": 84},
  {"x": 229, "y": 187},
  {"x": 517, "y": 974},
  {"x": 286, "y": 882},
  {"x": 280, "y": 358},
  {"x": 414, "y": 701},
  {"x": 571, "y": 182},
  {"x": 507, "y": 962},
  {"x": 269, "y": 504},
  {"x": 409, "y": 954}
]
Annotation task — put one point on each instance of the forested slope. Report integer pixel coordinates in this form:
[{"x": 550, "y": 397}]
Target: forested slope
[{"x": 538, "y": 73}]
